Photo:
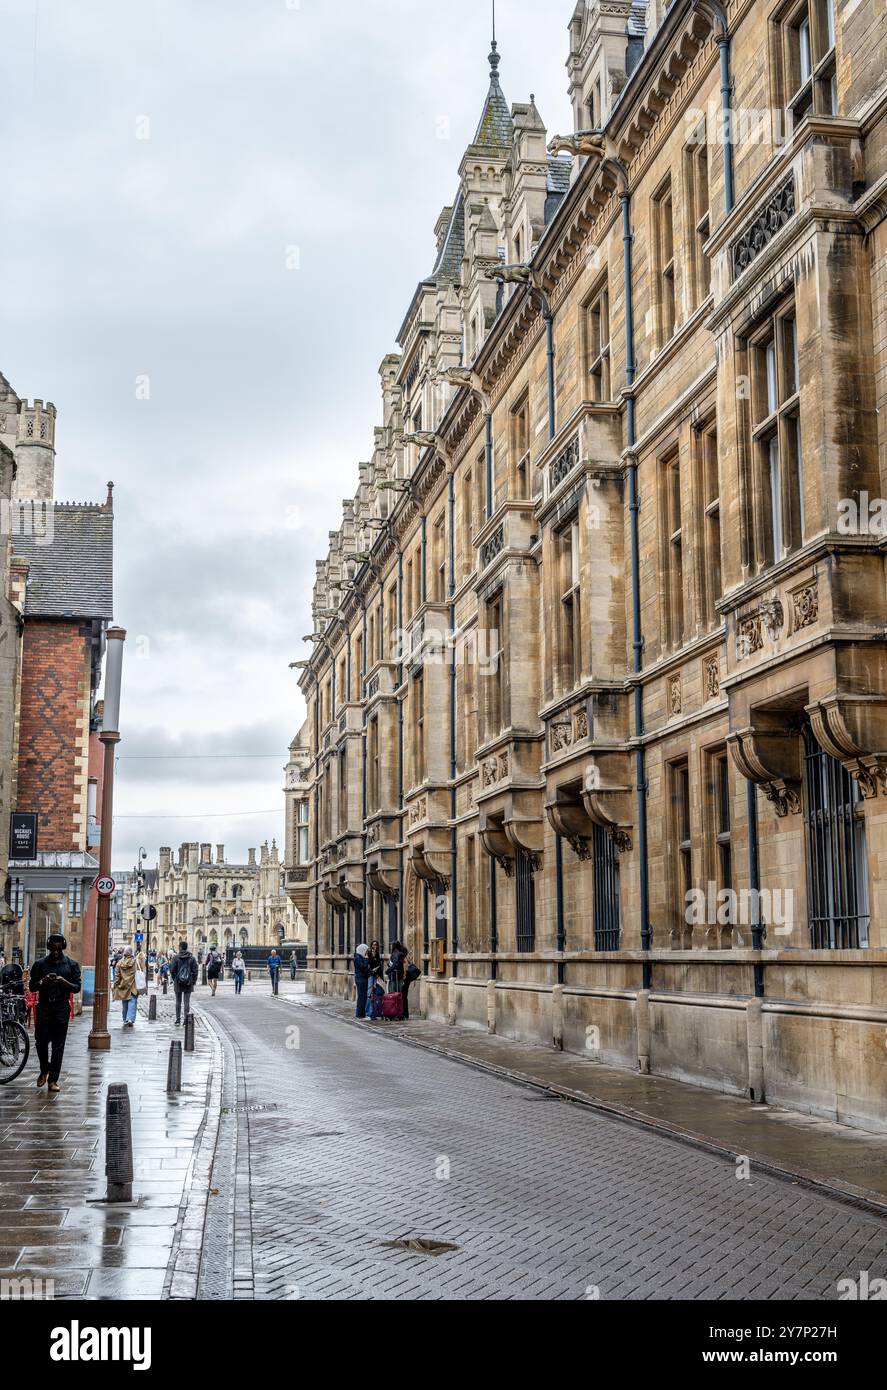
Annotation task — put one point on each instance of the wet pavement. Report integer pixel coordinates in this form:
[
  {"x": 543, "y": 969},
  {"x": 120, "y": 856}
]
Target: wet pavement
[
  {"x": 845, "y": 1161},
  {"x": 59, "y": 1240},
  {"x": 342, "y": 1150}
]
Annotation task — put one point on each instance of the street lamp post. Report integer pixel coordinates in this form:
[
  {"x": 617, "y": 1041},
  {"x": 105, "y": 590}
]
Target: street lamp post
[{"x": 100, "y": 1038}]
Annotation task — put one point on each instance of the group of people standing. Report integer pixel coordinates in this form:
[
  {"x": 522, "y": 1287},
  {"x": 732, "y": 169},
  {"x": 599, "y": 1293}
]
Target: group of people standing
[{"x": 369, "y": 970}]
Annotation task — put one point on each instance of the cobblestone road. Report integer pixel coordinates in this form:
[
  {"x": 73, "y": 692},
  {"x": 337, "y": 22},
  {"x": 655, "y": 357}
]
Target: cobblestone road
[{"x": 338, "y": 1139}]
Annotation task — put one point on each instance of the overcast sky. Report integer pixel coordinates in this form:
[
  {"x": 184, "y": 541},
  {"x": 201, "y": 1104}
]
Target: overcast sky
[{"x": 214, "y": 216}]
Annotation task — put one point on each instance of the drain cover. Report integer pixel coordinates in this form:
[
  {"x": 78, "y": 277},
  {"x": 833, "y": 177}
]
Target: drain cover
[
  {"x": 420, "y": 1246},
  {"x": 247, "y": 1109}
]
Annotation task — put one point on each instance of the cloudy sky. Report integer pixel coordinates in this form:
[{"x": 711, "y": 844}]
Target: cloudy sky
[{"x": 215, "y": 213}]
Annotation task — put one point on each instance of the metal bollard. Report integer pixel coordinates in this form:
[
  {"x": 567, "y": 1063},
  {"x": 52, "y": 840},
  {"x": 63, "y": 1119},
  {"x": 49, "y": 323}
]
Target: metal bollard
[
  {"x": 118, "y": 1144},
  {"x": 189, "y": 1033},
  {"x": 152, "y": 1009},
  {"x": 203, "y": 976},
  {"x": 165, "y": 983},
  {"x": 174, "y": 1070}
]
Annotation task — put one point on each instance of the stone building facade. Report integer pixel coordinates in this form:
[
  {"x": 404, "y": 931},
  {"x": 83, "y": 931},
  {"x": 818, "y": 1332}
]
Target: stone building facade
[
  {"x": 297, "y": 846},
  {"x": 597, "y": 690},
  {"x": 202, "y": 898}
]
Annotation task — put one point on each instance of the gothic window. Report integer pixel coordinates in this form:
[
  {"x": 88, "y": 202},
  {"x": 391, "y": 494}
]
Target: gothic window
[
  {"x": 837, "y": 858},
  {"x": 417, "y": 702},
  {"x": 520, "y": 447},
  {"x": 663, "y": 244},
  {"x": 699, "y": 215},
  {"x": 673, "y": 546},
  {"x": 302, "y": 836},
  {"x": 467, "y": 524},
  {"x": 805, "y": 44},
  {"x": 776, "y": 436},
  {"x": 720, "y": 819},
  {"x": 494, "y": 676},
  {"x": 709, "y": 493},
  {"x": 439, "y": 559},
  {"x": 343, "y": 787},
  {"x": 607, "y": 896},
  {"x": 597, "y": 343},
  {"x": 525, "y": 900},
  {"x": 373, "y": 783},
  {"x": 569, "y": 586},
  {"x": 681, "y": 838}
]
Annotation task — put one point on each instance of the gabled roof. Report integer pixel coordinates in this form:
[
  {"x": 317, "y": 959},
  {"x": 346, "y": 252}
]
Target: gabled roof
[{"x": 73, "y": 575}]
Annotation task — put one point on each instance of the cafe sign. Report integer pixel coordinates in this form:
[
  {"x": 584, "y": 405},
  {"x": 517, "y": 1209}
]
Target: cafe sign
[{"x": 22, "y": 835}]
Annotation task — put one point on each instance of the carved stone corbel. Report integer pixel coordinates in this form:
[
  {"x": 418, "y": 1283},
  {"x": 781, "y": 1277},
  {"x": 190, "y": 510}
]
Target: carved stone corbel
[{"x": 771, "y": 758}]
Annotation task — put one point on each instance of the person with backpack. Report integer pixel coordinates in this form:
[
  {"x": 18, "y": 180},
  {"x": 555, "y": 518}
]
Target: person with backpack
[
  {"x": 238, "y": 965},
  {"x": 363, "y": 975},
  {"x": 184, "y": 978},
  {"x": 214, "y": 969},
  {"x": 274, "y": 964},
  {"x": 163, "y": 969}
]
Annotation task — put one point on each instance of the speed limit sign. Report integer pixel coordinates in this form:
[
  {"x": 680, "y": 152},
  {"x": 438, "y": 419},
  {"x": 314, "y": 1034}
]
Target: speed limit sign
[{"x": 105, "y": 887}]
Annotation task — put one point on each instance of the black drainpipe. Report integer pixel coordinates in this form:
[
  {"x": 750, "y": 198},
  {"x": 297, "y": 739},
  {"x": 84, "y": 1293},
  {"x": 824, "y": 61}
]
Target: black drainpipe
[
  {"x": 489, "y": 451},
  {"x": 638, "y": 636},
  {"x": 454, "y": 862}
]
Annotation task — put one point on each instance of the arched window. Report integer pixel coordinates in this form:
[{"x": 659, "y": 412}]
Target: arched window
[{"x": 837, "y": 858}]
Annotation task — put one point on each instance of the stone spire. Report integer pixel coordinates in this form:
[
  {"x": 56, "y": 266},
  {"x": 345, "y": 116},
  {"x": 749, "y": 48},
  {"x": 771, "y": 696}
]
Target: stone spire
[{"x": 495, "y": 127}]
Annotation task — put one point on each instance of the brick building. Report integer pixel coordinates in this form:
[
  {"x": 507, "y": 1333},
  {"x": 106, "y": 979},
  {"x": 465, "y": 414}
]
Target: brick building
[
  {"x": 61, "y": 587},
  {"x": 597, "y": 695}
]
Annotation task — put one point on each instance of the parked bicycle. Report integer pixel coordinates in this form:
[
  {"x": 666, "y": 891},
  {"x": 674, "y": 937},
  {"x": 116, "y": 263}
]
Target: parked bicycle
[{"x": 15, "y": 1045}]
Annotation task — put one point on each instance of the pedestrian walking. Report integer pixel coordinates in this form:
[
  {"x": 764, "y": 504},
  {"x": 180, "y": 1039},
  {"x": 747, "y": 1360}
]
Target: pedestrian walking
[
  {"x": 362, "y": 976},
  {"x": 163, "y": 970},
  {"x": 239, "y": 968},
  {"x": 184, "y": 978},
  {"x": 274, "y": 964},
  {"x": 214, "y": 970},
  {"x": 126, "y": 988},
  {"x": 294, "y": 965},
  {"x": 55, "y": 980}
]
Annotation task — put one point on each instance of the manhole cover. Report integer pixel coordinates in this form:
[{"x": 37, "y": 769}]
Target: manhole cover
[
  {"x": 420, "y": 1246},
  {"x": 246, "y": 1109}
]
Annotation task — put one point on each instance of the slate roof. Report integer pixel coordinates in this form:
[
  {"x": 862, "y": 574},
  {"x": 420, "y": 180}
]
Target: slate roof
[
  {"x": 73, "y": 576},
  {"x": 449, "y": 262},
  {"x": 496, "y": 126}
]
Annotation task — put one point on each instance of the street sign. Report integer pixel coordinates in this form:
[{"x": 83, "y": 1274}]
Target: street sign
[
  {"x": 139, "y": 936},
  {"x": 105, "y": 887},
  {"x": 149, "y": 912},
  {"x": 22, "y": 835}
]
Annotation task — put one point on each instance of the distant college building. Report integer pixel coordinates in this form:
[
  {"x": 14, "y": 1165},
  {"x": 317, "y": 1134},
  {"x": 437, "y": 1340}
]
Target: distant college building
[{"x": 598, "y": 689}]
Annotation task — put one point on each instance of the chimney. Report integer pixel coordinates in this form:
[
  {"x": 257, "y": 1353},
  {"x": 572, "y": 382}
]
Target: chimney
[
  {"x": 165, "y": 861},
  {"x": 220, "y": 854},
  {"x": 206, "y": 854},
  {"x": 193, "y": 861},
  {"x": 252, "y": 858}
]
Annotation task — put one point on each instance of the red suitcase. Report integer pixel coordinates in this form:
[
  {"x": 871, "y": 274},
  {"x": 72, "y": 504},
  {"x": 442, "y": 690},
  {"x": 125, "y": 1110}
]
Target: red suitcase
[{"x": 392, "y": 1005}]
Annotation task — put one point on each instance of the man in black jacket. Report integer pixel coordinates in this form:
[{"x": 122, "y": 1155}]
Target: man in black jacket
[
  {"x": 54, "y": 980},
  {"x": 183, "y": 969}
]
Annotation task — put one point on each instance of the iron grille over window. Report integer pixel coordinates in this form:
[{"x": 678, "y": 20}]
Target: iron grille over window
[
  {"x": 837, "y": 862},
  {"x": 525, "y": 897},
  {"x": 607, "y": 908}
]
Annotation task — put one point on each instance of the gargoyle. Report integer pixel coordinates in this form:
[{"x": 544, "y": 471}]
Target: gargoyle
[
  {"x": 509, "y": 274},
  {"x": 584, "y": 142}
]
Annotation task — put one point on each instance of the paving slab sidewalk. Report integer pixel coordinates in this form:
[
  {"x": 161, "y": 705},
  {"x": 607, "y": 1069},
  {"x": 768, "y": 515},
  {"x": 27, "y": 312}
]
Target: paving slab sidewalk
[
  {"x": 846, "y": 1162},
  {"x": 59, "y": 1238}
]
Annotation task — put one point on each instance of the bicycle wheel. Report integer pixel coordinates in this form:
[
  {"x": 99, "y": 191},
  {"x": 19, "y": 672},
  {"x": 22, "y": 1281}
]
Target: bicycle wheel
[{"x": 15, "y": 1045}]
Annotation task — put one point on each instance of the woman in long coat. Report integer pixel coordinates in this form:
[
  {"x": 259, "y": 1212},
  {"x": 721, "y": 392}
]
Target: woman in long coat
[{"x": 125, "y": 987}]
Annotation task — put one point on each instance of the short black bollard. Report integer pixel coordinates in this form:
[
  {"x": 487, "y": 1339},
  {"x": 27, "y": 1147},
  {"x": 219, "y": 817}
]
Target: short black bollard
[
  {"x": 174, "y": 1070},
  {"x": 189, "y": 1033},
  {"x": 152, "y": 1009},
  {"x": 118, "y": 1144},
  {"x": 203, "y": 976},
  {"x": 165, "y": 982}
]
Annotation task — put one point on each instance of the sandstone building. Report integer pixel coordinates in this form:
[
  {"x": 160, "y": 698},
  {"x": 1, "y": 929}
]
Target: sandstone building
[
  {"x": 597, "y": 698},
  {"x": 202, "y": 898}
]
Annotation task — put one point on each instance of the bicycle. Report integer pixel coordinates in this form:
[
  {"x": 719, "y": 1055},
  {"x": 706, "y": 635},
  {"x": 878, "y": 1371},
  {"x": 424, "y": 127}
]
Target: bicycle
[{"x": 15, "y": 1045}]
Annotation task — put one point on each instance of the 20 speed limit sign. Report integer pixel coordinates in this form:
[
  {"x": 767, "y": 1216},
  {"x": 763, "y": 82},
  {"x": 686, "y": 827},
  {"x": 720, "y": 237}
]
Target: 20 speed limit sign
[{"x": 105, "y": 887}]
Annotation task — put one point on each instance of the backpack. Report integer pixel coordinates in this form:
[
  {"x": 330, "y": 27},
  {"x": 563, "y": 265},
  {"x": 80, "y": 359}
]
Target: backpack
[{"x": 183, "y": 972}]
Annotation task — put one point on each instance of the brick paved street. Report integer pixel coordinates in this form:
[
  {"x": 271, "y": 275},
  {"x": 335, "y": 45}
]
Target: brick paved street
[{"x": 335, "y": 1140}]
